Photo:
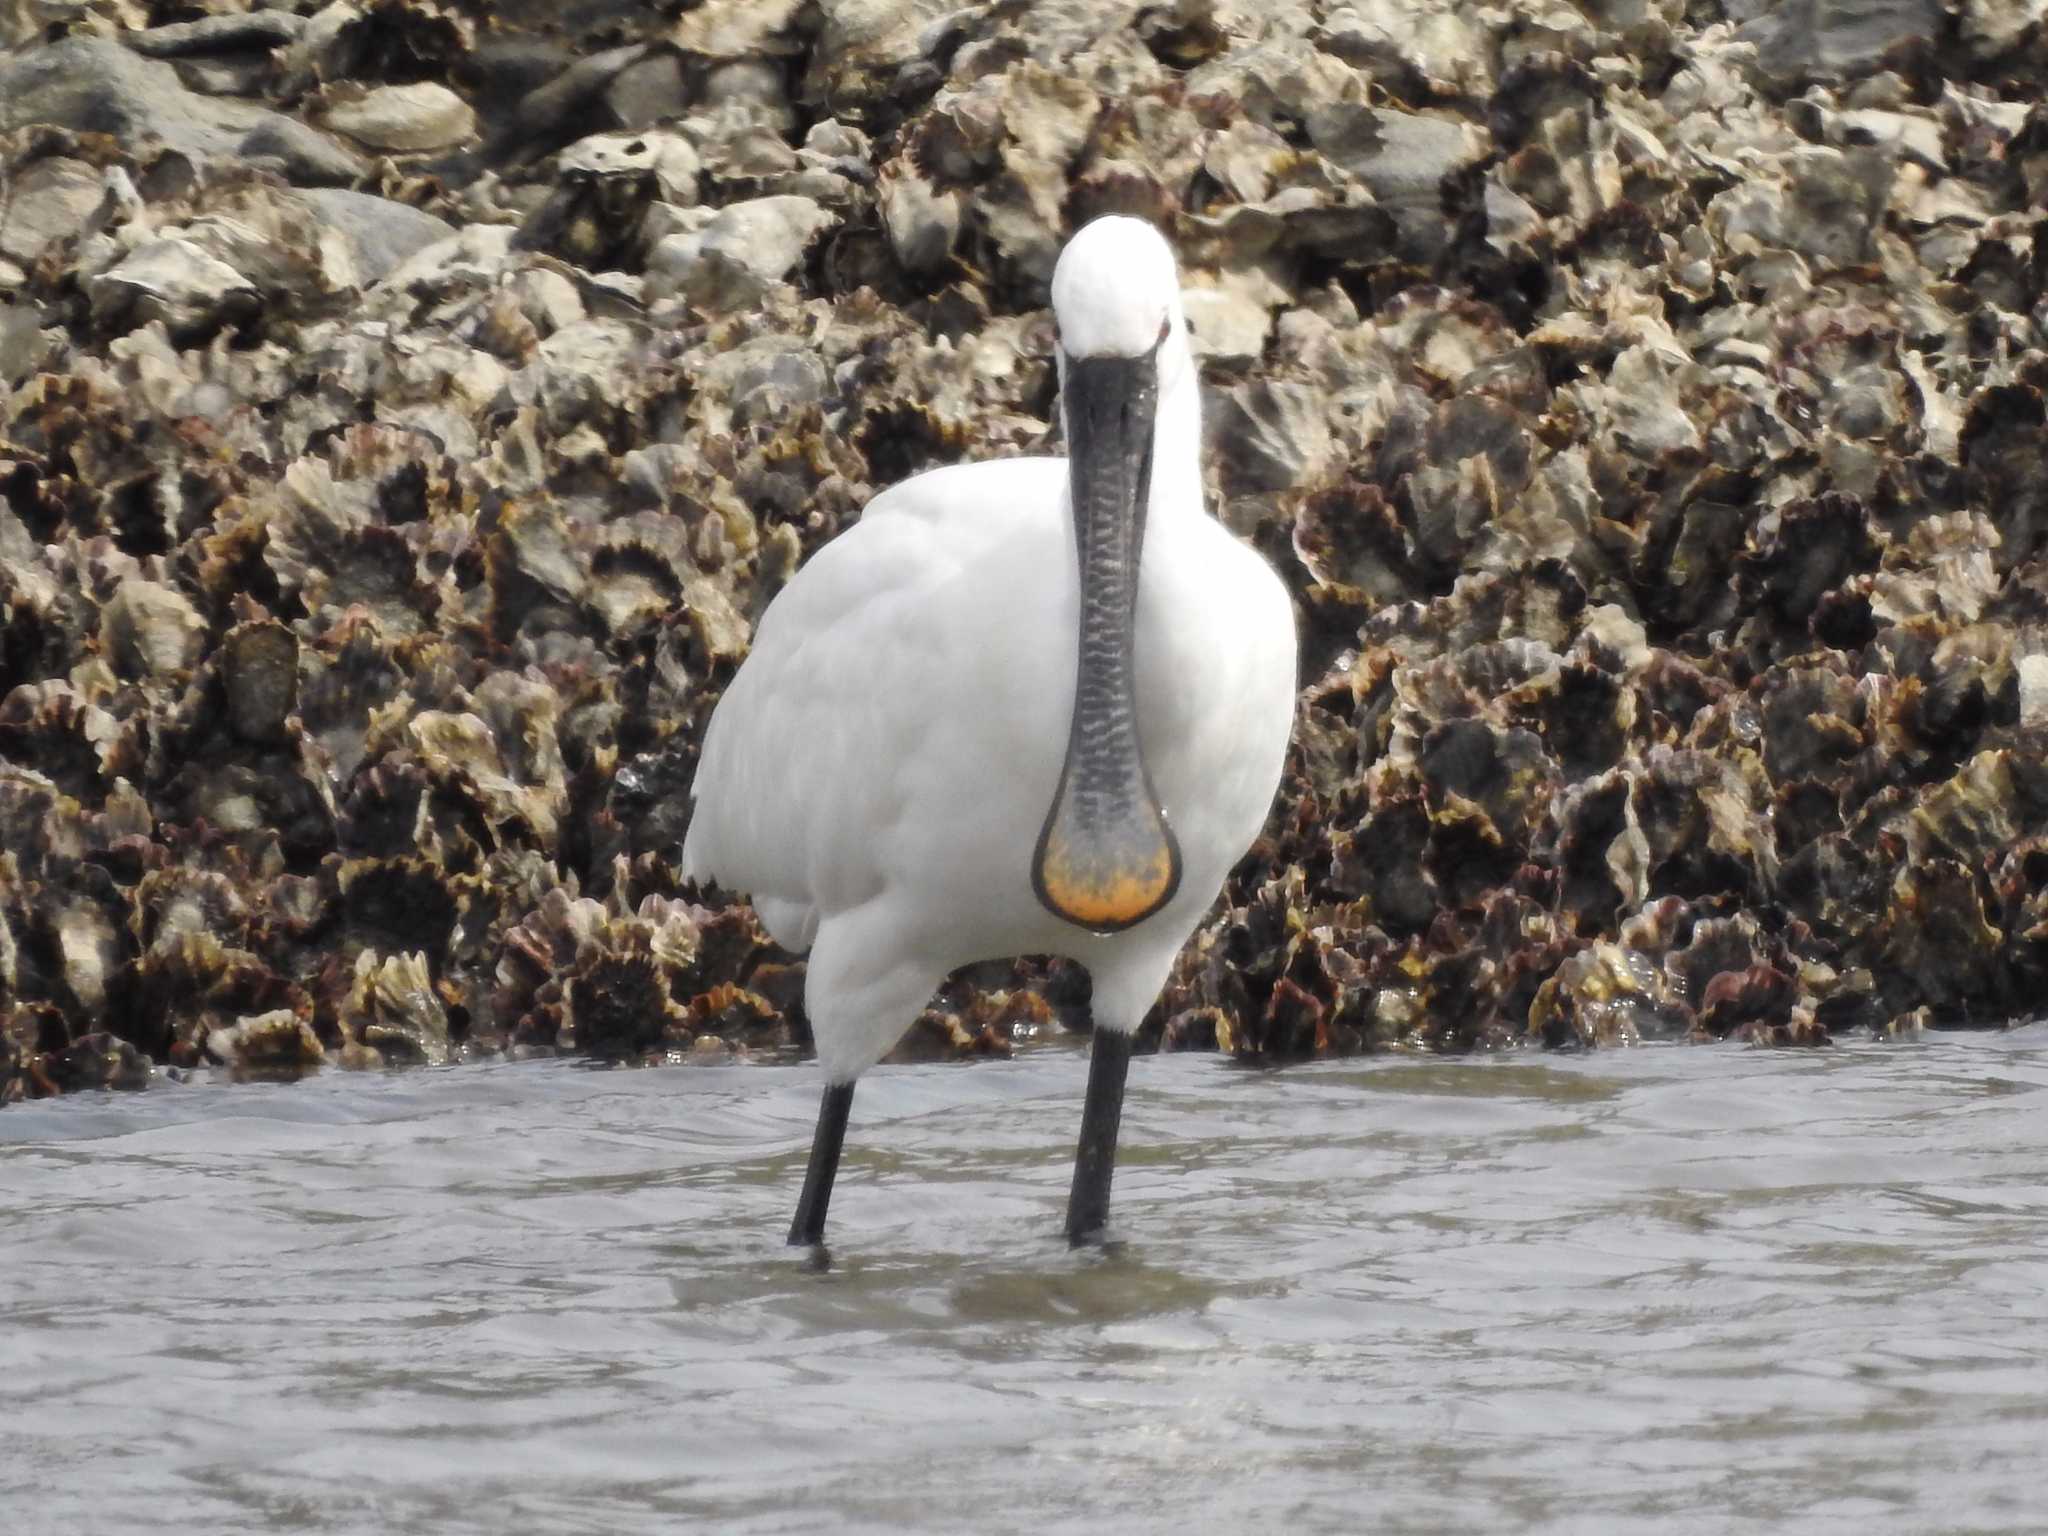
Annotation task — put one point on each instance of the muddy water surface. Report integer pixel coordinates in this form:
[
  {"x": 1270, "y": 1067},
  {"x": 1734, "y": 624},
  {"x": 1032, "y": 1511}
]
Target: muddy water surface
[{"x": 1683, "y": 1290}]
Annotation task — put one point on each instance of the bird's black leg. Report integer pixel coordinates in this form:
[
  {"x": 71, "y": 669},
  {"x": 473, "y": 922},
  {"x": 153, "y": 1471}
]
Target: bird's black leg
[
  {"x": 1095, "y": 1161},
  {"x": 809, "y": 1227}
]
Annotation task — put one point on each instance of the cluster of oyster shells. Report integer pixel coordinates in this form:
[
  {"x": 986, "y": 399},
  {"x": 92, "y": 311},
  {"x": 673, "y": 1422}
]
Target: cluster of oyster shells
[{"x": 408, "y": 406}]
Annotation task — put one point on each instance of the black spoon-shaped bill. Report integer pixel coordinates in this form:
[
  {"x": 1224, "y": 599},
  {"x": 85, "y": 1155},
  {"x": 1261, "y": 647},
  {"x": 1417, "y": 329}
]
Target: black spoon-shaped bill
[{"x": 1106, "y": 857}]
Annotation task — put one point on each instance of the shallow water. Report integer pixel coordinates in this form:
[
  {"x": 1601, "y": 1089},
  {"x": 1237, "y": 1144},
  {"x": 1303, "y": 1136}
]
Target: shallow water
[{"x": 1674, "y": 1289}]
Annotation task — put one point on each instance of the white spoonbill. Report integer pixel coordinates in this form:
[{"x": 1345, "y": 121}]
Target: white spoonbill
[{"x": 1025, "y": 706}]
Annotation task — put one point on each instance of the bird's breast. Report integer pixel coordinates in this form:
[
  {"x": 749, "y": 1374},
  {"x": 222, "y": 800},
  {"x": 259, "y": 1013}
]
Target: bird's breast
[{"x": 1215, "y": 649}]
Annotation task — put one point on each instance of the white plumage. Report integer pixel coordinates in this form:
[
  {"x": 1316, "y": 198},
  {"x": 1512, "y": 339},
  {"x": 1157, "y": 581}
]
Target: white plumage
[{"x": 878, "y": 772}]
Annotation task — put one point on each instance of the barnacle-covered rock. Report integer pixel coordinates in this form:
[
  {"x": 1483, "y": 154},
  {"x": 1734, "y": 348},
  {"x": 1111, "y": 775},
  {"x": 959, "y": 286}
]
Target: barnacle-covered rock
[
  {"x": 48, "y": 203},
  {"x": 278, "y": 1046},
  {"x": 260, "y": 678},
  {"x": 328, "y": 546},
  {"x": 1935, "y": 944},
  {"x": 1643, "y": 407},
  {"x": 150, "y": 630},
  {"x": 1608, "y": 995},
  {"x": 606, "y": 189},
  {"x": 98, "y": 1060},
  {"x": 1272, "y": 438},
  {"x": 1602, "y": 855},
  {"x": 1404, "y": 157},
  {"x": 67, "y": 739},
  {"x": 177, "y": 283},
  {"x": 380, "y": 232},
  {"x": 1703, "y": 823},
  {"x": 636, "y": 983},
  {"x": 393, "y": 1013},
  {"x": 196, "y": 970}
]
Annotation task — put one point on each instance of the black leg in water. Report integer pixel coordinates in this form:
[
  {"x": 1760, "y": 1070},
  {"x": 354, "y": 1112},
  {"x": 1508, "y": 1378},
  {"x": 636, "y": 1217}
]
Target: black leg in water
[
  {"x": 1108, "y": 1064},
  {"x": 808, "y": 1229}
]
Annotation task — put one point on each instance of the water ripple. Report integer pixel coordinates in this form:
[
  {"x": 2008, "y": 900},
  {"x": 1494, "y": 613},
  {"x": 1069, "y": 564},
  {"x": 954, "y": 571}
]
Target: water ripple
[{"x": 1684, "y": 1290}]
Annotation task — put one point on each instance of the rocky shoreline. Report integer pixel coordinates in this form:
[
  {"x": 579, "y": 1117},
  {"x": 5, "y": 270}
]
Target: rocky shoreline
[{"x": 406, "y": 408}]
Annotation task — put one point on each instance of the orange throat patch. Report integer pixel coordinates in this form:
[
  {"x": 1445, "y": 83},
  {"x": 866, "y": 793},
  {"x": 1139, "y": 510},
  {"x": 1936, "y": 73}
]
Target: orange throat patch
[{"x": 1106, "y": 887}]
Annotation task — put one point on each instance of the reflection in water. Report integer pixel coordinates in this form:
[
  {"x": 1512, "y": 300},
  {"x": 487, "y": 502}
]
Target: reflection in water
[{"x": 1669, "y": 1289}]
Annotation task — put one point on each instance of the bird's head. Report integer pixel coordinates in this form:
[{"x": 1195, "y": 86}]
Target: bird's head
[{"x": 1116, "y": 294}]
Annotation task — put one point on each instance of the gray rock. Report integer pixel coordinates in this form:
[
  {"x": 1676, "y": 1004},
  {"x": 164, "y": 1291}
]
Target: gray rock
[
  {"x": 172, "y": 280},
  {"x": 922, "y": 222},
  {"x": 268, "y": 241},
  {"x": 304, "y": 155},
  {"x": 380, "y": 233},
  {"x": 49, "y": 201},
  {"x": 217, "y": 34},
  {"x": 236, "y": 75},
  {"x": 569, "y": 105},
  {"x": 549, "y": 300},
  {"x": 25, "y": 341},
  {"x": 1403, "y": 157},
  {"x": 406, "y": 119},
  {"x": 741, "y": 249},
  {"x": 94, "y": 86},
  {"x": 1832, "y": 40},
  {"x": 770, "y": 378},
  {"x": 475, "y": 255},
  {"x": 648, "y": 91}
]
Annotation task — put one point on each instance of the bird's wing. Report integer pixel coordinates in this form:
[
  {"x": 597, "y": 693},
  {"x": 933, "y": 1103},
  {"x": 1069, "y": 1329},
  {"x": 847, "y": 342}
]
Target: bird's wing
[{"x": 799, "y": 777}]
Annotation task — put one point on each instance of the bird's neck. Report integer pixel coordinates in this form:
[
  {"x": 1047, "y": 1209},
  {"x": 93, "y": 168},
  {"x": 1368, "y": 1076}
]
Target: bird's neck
[{"x": 1177, "y": 455}]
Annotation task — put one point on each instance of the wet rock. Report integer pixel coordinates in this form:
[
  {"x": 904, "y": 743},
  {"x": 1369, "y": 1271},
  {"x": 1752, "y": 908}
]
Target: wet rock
[
  {"x": 278, "y": 1046},
  {"x": 392, "y": 1013},
  {"x": 99, "y": 1060},
  {"x": 1937, "y": 943},
  {"x": 1608, "y": 995}
]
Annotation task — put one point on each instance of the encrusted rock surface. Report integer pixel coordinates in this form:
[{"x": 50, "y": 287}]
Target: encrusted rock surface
[{"x": 408, "y": 406}]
